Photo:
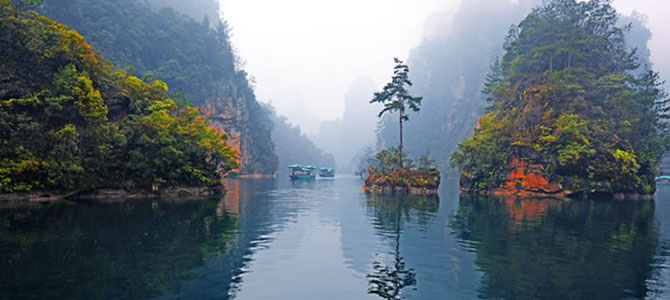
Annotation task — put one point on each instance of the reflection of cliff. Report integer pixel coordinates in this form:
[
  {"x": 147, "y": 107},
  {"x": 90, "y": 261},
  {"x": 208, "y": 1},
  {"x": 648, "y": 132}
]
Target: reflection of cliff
[
  {"x": 221, "y": 276},
  {"x": 547, "y": 249},
  {"x": 136, "y": 249},
  {"x": 659, "y": 283},
  {"x": 123, "y": 250}
]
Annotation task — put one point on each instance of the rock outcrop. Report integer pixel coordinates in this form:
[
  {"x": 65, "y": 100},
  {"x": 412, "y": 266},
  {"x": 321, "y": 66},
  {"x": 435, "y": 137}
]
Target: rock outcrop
[{"x": 522, "y": 179}]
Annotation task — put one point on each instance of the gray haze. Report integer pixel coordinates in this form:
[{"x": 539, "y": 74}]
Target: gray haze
[
  {"x": 347, "y": 136},
  {"x": 304, "y": 54}
]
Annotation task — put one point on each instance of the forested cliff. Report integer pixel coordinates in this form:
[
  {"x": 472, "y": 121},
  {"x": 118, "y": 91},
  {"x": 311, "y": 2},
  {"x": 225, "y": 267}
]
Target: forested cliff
[
  {"x": 448, "y": 71},
  {"x": 70, "y": 120},
  {"x": 193, "y": 56},
  {"x": 570, "y": 111}
]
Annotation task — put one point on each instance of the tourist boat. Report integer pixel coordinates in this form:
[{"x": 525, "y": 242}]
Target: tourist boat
[
  {"x": 327, "y": 172},
  {"x": 298, "y": 172},
  {"x": 663, "y": 179}
]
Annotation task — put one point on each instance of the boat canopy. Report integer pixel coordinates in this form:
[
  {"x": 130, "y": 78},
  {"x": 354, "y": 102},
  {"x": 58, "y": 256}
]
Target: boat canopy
[{"x": 294, "y": 166}]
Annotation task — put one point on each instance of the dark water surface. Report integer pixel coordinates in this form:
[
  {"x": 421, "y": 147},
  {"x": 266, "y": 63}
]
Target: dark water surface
[{"x": 326, "y": 239}]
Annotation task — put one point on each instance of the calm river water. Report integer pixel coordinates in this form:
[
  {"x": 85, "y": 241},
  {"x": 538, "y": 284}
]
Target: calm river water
[{"x": 271, "y": 239}]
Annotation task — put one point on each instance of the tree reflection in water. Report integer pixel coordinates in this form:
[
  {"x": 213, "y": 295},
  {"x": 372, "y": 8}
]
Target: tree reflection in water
[
  {"x": 553, "y": 249},
  {"x": 387, "y": 280}
]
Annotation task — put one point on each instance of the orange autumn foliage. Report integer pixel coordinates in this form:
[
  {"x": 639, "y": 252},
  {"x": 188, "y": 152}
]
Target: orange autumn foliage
[{"x": 528, "y": 180}]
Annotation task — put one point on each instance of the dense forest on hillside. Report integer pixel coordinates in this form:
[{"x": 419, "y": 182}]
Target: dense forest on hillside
[
  {"x": 71, "y": 121},
  {"x": 569, "y": 103},
  {"x": 192, "y": 56}
]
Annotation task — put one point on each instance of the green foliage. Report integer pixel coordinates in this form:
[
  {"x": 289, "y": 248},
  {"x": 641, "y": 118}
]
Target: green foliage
[
  {"x": 194, "y": 57},
  {"x": 425, "y": 162},
  {"x": 24, "y": 4},
  {"x": 69, "y": 121},
  {"x": 393, "y": 168},
  {"x": 395, "y": 96},
  {"x": 566, "y": 96}
]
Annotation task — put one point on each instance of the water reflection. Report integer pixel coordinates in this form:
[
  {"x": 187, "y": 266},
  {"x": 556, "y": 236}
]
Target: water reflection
[
  {"x": 269, "y": 239},
  {"x": 389, "y": 277},
  {"x": 135, "y": 249},
  {"x": 551, "y": 249},
  {"x": 121, "y": 250}
]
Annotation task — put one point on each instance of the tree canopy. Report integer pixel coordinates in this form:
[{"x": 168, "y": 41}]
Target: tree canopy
[
  {"x": 70, "y": 121},
  {"x": 194, "y": 57},
  {"x": 566, "y": 96}
]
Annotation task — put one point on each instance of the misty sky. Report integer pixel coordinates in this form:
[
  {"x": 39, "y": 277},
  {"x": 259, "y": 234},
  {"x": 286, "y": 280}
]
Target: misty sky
[{"x": 304, "y": 54}]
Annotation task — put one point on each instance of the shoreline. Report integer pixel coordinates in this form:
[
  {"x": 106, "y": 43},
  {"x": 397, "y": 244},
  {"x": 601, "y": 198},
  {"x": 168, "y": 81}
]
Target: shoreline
[
  {"x": 253, "y": 176},
  {"x": 561, "y": 196},
  {"x": 399, "y": 190},
  {"x": 109, "y": 193}
]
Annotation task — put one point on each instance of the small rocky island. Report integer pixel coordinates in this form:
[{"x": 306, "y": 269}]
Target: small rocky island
[
  {"x": 404, "y": 181},
  {"x": 389, "y": 172}
]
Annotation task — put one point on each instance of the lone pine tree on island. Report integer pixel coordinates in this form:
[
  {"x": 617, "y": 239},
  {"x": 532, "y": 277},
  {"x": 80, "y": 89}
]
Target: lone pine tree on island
[
  {"x": 390, "y": 171},
  {"x": 396, "y": 98}
]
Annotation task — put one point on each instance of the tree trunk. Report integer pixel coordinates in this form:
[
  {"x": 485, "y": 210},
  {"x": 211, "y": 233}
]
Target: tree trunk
[{"x": 400, "y": 148}]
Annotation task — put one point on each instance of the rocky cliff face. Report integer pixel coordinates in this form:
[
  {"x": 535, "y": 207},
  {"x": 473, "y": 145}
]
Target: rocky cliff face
[
  {"x": 231, "y": 116},
  {"x": 522, "y": 179},
  {"x": 226, "y": 117},
  {"x": 526, "y": 179}
]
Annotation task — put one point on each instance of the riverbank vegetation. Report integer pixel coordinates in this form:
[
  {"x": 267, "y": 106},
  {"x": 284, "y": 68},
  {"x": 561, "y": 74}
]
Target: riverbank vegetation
[
  {"x": 570, "y": 106},
  {"x": 70, "y": 120}
]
